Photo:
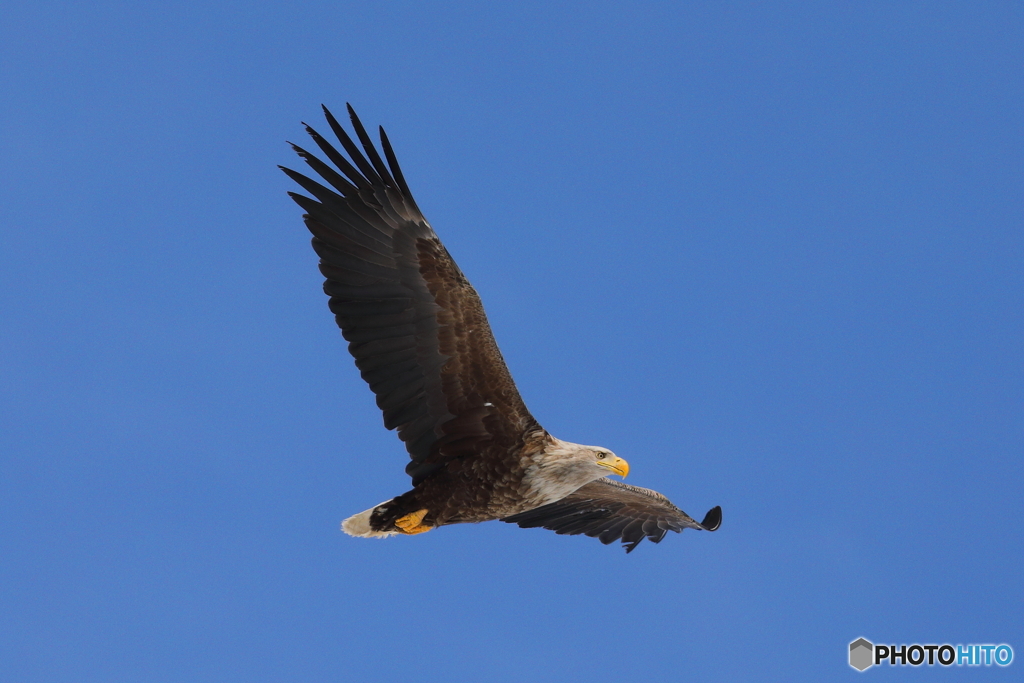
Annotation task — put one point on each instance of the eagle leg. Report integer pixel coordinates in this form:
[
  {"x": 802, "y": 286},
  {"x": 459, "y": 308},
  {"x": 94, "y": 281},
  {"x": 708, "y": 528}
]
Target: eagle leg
[{"x": 412, "y": 522}]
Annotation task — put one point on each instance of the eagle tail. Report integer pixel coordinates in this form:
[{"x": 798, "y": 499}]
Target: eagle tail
[{"x": 359, "y": 525}]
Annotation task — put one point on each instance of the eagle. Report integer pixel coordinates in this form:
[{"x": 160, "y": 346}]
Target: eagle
[{"x": 420, "y": 339}]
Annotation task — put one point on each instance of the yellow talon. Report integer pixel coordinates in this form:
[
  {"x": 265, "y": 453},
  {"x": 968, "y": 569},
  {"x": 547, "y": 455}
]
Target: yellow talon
[{"x": 410, "y": 524}]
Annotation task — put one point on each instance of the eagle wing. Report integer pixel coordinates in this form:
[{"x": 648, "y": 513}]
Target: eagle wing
[
  {"x": 611, "y": 510},
  {"x": 414, "y": 324}
]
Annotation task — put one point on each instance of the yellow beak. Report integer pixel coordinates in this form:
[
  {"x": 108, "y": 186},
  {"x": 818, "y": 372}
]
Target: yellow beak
[{"x": 616, "y": 465}]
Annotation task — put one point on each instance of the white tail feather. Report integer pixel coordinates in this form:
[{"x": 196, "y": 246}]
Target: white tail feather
[{"x": 359, "y": 525}]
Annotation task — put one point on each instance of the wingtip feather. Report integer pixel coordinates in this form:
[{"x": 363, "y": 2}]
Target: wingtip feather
[{"x": 713, "y": 519}]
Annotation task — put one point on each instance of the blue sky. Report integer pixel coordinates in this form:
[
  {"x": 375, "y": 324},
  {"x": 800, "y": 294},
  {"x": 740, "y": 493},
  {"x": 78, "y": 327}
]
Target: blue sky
[{"x": 772, "y": 256}]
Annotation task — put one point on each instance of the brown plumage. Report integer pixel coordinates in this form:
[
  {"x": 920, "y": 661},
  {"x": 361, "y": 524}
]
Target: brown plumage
[{"x": 420, "y": 338}]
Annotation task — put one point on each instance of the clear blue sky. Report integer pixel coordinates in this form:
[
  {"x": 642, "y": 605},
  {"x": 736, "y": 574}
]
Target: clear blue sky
[{"x": 772, "y": 256}]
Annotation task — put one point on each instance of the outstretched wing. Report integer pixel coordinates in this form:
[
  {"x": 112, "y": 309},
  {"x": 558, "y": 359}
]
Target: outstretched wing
[
  {"x": 611, "y": 510},
  {"x": 415, "y": 325}
]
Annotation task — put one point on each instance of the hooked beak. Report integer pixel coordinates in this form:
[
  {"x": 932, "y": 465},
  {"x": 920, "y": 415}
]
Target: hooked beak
[{"x": 616, "y": 465}]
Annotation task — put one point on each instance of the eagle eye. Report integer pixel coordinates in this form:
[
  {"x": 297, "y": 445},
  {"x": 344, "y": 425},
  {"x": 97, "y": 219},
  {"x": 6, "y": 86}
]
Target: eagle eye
[{"x": 600, "y": 456}]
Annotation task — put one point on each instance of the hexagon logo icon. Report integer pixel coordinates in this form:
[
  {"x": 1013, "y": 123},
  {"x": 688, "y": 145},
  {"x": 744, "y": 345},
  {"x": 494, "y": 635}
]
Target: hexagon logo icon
[{"x": 862, "y": 654}]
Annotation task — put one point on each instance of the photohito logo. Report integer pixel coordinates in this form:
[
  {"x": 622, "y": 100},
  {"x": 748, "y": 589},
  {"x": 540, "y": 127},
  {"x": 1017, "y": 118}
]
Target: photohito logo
[{"x": 863, "y": 654}]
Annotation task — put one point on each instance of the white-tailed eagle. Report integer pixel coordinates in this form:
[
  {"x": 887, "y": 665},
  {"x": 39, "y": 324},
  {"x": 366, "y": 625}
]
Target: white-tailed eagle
[{"x": 420, "y": 339}]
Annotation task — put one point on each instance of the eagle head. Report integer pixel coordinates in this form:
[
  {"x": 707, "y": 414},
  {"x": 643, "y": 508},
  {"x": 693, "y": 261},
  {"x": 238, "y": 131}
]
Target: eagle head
[{"x": 609, "y": 462}]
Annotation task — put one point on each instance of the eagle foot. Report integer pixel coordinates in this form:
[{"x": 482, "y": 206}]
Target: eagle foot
[{"x": 410, "y": 523}]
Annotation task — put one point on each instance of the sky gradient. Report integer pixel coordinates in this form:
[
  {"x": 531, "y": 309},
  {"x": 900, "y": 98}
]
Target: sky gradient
[{"x": 773, "y": 257}]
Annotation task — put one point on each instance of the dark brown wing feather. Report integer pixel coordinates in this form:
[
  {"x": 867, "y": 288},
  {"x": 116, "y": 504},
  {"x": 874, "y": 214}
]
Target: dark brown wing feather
[
  {"x": 416, "y": 326},
  {"x": 610, "y": 510}
]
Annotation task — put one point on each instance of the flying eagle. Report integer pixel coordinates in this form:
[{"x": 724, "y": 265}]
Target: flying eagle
[{"x": 420, "y": 339}]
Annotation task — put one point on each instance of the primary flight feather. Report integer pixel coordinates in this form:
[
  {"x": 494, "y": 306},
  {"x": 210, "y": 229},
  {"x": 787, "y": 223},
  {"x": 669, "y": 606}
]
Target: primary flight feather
[{"x": 420, "y": 339}]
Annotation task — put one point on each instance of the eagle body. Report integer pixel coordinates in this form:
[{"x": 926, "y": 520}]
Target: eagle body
[
  {"x": 468, "y": 490},
  {"x": 543, "y": 471},
  {"x": 420, "y": 338}
]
